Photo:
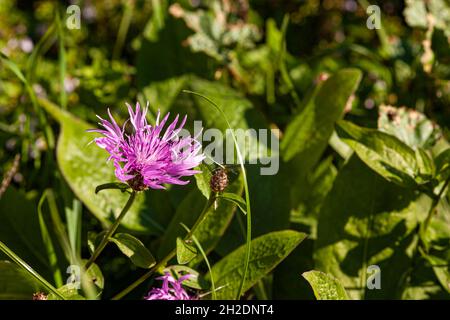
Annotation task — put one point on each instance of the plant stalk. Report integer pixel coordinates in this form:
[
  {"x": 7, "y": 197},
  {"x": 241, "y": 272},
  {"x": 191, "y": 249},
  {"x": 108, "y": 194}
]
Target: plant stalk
[
  {"x": 167, "y": 258},
  {"x": 111, "y": 231}
]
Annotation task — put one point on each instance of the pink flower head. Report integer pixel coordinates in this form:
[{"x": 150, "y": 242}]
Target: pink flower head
[
  {"x": 171, "y": 289},
  {"x": 149, "y": 157}
]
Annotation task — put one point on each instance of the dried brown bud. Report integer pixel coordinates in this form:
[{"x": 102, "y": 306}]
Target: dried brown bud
[{"x": 219, "y": 180}]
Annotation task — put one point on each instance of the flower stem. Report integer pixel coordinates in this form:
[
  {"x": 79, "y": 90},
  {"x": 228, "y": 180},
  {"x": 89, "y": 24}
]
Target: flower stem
[
  {"x": 111, "y": 231},
  {"x": 167, "y": 258},
  {"x": 147, "y": 275}
]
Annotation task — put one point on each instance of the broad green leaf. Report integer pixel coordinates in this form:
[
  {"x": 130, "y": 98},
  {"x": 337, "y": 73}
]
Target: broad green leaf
[
  {"x": 186, "y": 252},
  {"x": 216, "y": 30},
  {"x": 203, "y": 180},
  {"x": 84, "y": 167},
  {"x": 134, "y": 249},
  {"x": 162, "y": 94},
  {"x": 95, "y": 275},
  {"x": 244, "y": 118},
  {"x": 416, "y": 13},
  {"x": 187, "y": 212},
  {"x": 91, "y": 283},
  {"x": 442, "y": 163},
  {"x": 210, "y": 231},
  {"x": 255, "y": 144},
  {"x": 94, "y": 239},
  {"x": 441, "y": 270},
  {"x": 366, "y": 220},
  {"x": 307, "y": 135},
  {"x": 325, "y": 286},
  {"x": 409, "y": 126},
  {"x": 287, "y": 284},
  {"x": 20, "y": 229},
  {"x": 425, "y": 166},
  {"x": 236, "y": 199},
  {"x": 309, "y": 195},
  {"x": 242, "y": 115},
  {"x": 267, "y": 252},
  {"x": 15, "y": 283},
  {"x": 163, "y": 57},
  {"x": 424, "y": 284},
  {"x": 69, "y": 291},
  {"x": 239, "y": 110},
  {"x": 440, "y": 9},
  {"x": 271, "y": 197},
  {"x": 157, "y": 21},
  {"x": 28, "y": 269},
  {"x": 385, "y": 154}
]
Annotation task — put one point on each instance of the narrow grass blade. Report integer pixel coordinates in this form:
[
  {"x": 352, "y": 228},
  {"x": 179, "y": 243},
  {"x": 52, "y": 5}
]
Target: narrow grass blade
[
  {"x": 247, "y": 193},
  {"x": 123, "y": 29},
  {"x": 50, "y": 139},
  {"x": 61, "y": 62},
  {"x": 30, "y": 270},
  {"x": 46, "y": 238}
]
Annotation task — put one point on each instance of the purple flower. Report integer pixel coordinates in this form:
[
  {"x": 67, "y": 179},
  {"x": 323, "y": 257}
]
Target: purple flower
[
  {"x": 147, "y": 157},
  {"x": 171, "y": 289}
]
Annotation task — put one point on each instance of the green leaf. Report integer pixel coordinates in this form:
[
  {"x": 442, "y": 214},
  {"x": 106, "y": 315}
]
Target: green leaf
[
  {"x": 95, "y": 275},
  {"x": 134, "y": 249},
  {"x": 236, "y": 199},
  {"x": 83, "y": 166},
  {"x": 162, "y": 94},
  {"x": 325, "y": 286},
  {"x": 416, "y": 13},
  {"x": 204, "y": 256},
  {"x": 28, "y": 269},
  {"x": 425, "y": 166},
  {"x": 287, "y": 285},
  {"x": 366, "y": 220},
  {"x": 239, "y": 111},
  {"x": 440, "y": 9},
  {"x": 307, "y": 135},
  {"x": 48, "y": 242},
  {"x": 442, "y": 164},
  {"x": 16, "y": 284},
  {"x": 309, "y": 195},
  {"x": 423, "y": 284},
  {"x": 20, "y": 229},
  {"x": 94, "y": 239},
  {"x": 409, "y": 126},
  {"x": 69, "y": 291},
  {"x": 203, "y": 179},
  {"x": 241, "y": 114},
  {"x": 266, "y": 253},
  {"x": 186, "y": 252},
  {"x": 210, "y": 230},
  {"x": 385, "y": 154},
  {"x": 441, "y": 270},
  {"x": 163, "y": 57}
]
